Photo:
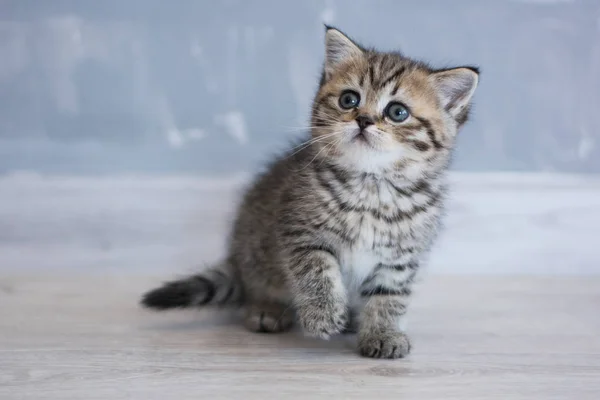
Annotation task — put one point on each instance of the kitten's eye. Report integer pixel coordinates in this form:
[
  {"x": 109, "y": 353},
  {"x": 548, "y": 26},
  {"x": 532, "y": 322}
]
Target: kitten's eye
[
  {"x": 349, "y": 99},
  {"x": 396, "y": 112}
]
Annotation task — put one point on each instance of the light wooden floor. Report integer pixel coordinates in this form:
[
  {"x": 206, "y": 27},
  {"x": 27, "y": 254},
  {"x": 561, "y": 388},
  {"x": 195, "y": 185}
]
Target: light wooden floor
[{"x": 474, "y": 338}]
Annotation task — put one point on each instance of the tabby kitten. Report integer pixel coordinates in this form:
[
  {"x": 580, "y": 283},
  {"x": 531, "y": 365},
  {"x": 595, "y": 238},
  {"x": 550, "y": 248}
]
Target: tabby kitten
[{"x": 332, "y": 235}]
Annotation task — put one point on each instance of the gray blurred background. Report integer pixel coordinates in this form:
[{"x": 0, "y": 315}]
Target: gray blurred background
[
  {"x": 150, "y": 86},
  {"x": 127, "y": 127}
]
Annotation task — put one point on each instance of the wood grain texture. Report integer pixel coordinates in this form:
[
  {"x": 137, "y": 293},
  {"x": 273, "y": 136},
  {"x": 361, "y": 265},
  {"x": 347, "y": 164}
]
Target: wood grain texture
[{"x": 84, "y": 337}]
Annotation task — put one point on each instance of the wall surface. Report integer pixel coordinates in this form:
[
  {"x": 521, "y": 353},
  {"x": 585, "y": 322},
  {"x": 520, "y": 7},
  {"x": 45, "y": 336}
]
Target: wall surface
[{"x": 149, "y": 86}]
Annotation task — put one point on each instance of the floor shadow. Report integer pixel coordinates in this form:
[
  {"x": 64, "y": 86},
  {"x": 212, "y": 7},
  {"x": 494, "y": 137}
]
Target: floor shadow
[{"x": 226, "y": 329}]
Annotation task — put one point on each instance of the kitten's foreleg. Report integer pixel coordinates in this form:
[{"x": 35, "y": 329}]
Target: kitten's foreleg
[
  {"x": 381, "y": 332},
  {"x": 318, "y": 291}
]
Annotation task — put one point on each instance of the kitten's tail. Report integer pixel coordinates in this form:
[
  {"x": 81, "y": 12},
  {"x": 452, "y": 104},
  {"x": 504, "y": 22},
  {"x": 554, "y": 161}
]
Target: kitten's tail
[{"x": 215, "y": 286}]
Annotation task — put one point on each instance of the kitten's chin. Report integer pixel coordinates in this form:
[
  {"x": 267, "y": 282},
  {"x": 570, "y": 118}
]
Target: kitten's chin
[{"x": 362, "y": 156}]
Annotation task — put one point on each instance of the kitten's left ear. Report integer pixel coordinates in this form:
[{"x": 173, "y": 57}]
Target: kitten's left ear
[
  {"x": 338, "y": 49},
  {"x": 455, "y": 88}
]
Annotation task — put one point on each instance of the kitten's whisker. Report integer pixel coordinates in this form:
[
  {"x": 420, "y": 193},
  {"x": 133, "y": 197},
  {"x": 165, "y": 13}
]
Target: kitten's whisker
[
  {"x": 317, "y": 155},
  {"x": 307, "y": 128},
  {"x": 321, "y": 114},
  {"x": 333, "y": 145},
  {"x": 303, "y": 147},
  {"x": 310, "y": 142},
  {"x": 329, "y": 147},
  {"x": 313, "y": 159}
]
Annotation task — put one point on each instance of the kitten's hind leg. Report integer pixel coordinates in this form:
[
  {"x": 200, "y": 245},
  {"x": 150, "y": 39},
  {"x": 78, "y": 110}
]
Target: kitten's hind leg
[{"x": 269, "y": 317}]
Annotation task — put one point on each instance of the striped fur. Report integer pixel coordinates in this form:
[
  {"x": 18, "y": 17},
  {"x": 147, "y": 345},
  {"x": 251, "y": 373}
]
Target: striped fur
[
  {"x": 333, "y": 233},
  {"x": 215, "y": 286}
]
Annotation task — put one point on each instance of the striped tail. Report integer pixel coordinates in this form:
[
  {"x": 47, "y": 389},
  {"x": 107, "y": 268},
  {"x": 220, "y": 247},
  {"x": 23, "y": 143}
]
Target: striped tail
[{"x": 214, "y": 286}]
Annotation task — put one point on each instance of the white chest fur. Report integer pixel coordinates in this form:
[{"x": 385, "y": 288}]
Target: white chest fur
[
  {"x": 357, "y": 264},
  {"x": 379, "y": 240}
]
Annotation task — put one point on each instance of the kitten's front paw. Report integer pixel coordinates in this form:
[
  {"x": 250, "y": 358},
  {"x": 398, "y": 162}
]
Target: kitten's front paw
[
  {"x": 384, "y": 345},
  {"x": 323, "y": 322}
]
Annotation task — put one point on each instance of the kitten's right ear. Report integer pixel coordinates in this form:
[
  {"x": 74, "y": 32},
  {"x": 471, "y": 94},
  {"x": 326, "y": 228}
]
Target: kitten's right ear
[{"x": 338, "y": 49}]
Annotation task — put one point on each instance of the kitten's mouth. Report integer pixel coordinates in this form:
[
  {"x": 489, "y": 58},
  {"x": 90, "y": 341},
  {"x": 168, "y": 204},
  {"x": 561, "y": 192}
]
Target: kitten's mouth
[{"x": 361, "y": 137}]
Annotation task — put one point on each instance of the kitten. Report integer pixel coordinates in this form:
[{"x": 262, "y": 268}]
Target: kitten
[{"x": 332, "y": 235}]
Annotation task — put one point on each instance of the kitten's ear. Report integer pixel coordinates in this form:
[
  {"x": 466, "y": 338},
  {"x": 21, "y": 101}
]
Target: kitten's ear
[
  {"x": 455, "y": 88},
  {"x": 338, "y": 48}
]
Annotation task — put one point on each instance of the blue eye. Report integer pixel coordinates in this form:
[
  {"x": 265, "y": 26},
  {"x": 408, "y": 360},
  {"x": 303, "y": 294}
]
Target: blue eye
[
  {"x": 349, "y": 99},
  {"x": 396, "y": 112}
]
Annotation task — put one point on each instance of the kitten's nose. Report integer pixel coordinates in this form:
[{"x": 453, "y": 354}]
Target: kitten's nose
[{"x": 363, "y": 121}]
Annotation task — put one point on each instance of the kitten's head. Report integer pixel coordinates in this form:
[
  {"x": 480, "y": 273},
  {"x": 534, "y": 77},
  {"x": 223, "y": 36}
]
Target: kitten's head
[{"x": 377, "y": 112}]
